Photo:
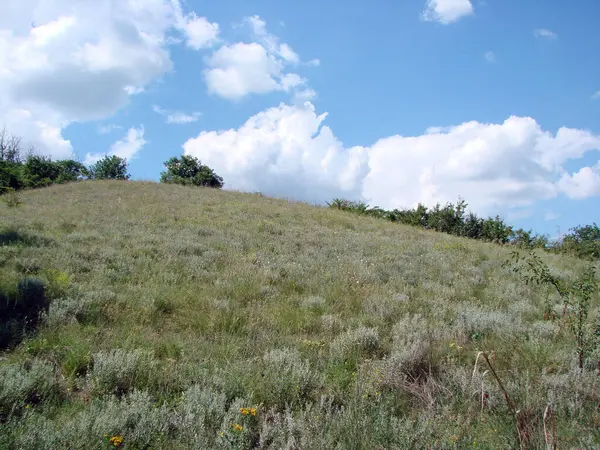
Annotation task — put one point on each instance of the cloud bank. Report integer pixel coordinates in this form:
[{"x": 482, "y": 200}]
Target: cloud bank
[{"x": 288, "y": 151}]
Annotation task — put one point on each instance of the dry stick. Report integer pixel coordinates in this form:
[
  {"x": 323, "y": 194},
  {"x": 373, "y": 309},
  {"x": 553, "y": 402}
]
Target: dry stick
[
  {"x": 483, "y": 398},
  {"x": 509, "y": 402},
  {"x": 546, "y": 437}
]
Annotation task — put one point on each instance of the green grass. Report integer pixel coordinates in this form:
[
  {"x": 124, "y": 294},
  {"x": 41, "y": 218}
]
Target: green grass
[{"x": 173, "y": 307}]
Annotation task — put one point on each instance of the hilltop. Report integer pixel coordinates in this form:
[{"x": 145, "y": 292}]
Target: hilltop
[{"x": 184, "y": 317}]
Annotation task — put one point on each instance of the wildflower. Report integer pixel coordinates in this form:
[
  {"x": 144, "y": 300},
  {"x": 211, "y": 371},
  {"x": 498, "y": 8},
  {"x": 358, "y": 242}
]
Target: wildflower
[
  {"x": 116, "y": 440},
  {"x": 237, "y": 427},
  {"x": 248, "y": 411}
]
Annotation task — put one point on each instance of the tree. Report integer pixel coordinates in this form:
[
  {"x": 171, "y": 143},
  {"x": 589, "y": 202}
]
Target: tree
[
  {"x": 110, "y": 167},
  {"x": 70, "y": 170},
  {"x": 39, "y": 171},
  {"x": 188, "y": 170}
]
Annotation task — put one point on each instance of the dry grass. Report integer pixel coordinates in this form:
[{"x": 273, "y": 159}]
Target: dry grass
[{"x": 343, "y": 331}]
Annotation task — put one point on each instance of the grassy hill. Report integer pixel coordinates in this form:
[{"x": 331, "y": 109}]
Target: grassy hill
[{"x": 196, "y": 318}]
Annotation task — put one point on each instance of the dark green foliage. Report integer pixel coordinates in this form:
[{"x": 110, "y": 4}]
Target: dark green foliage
[
  {"x": 71, "y": 170},
  {"x": 188, "y": 170},
  {"x": 20, "y": 310},
  {"x": 35, "y": 171},
  {"x": 10, "y": 176},
  {"x": 12, "y": 237},
  {"x": 110, "y": 168},
  {"x": 582, "y": 241},
  {"x": 450, "y": 219},
  {"x": 39, "y": 171}
]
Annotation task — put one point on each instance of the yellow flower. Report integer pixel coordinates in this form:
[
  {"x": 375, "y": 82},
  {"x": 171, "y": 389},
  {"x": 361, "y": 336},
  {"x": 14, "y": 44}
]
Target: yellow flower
[
  {"x": 237, "y": 427},
  {"x": 116, "y": 440},
  {"x": 248, "y": 411}
]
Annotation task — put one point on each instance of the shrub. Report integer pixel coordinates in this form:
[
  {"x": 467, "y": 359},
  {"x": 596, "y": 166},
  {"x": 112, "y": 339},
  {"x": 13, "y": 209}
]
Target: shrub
[
  {"x": 25, "y": 385},
  {"x": 21, "y": 311},
  {"x": 285, "y": 378},
  {"x": 361, "y": 341},
  {"x": 119, "y": 371},
  {"x": 136, "y": 419}
]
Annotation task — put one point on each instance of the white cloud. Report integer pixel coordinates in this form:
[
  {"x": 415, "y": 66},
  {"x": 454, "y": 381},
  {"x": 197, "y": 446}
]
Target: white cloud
[
  {"x": 177, "y": 117},
  {"x": 63, "y": 61},
  {"x": 180, "y": 118},
  {"x": 596, "y": 96},
  {"x": 545, "y": 34},
  {"x": 287, "y": 151},
  {"x": 446, "y": 11},
  {"x": 200, "y": 33},
  {"x": 490, "y": 56},
  {"x": 237, "y": 70},
  {"x": 127, "y": 148},
  {"x": 581, "y": 184}
]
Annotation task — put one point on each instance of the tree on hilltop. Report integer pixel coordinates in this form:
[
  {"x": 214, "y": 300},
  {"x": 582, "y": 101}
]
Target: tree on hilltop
[
  {"x": 189, "y": 171},
  {"x": 110, "y": 168}
]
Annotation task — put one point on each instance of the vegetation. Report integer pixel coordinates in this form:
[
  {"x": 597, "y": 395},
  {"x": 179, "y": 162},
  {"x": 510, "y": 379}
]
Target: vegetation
[
  {"x": 188, "y": 170},
  {"x": 110, "y": 168},
  {"x": 214, "y": 319},
  {"x": 581, "y": 241}
]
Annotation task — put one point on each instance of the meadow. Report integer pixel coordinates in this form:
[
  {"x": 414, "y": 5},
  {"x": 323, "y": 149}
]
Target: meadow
[{"x": 184, "y": 317}]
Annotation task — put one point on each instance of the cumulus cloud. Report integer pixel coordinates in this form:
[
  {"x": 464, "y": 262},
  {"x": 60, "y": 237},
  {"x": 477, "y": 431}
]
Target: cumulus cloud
[
  {"x": 544, "y": 33},
  {"x": 284, "y": 151},
  {"x": 288, "y": 151},
  {"x": 200, "y": 33},
  {"x": 177, "y": 117},
  {"x": 237, "y": 70},
  {"x": 581, "y": 184},
  {"x": 64, "y": 61},
  {"x": 128, "y": 147},
  {"x": 446, "y": 11}
]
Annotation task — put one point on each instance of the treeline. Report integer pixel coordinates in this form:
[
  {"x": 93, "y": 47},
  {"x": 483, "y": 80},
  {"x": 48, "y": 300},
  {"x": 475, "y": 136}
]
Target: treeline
[
  {"x": 19, "y": 172},
  {"x": 581, "y": 241}
]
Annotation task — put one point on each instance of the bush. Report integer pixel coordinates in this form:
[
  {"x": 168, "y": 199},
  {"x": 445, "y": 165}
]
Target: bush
[
  {"x": 21, "y": 311},
  {"x": 23, "y": 386},
  {"x": 136, "y": 420},
  {"x": 285, "y": 378},
  {"x": 119, "y": 371},
  {"x": 361, "y": 341}
]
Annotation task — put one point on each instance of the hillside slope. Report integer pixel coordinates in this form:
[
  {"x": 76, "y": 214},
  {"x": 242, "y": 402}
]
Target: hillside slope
[{"x": 189, "y": 318}]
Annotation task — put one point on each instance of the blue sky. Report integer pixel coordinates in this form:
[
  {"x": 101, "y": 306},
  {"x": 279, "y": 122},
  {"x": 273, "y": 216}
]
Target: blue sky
[{"x": 391, "y": 102}]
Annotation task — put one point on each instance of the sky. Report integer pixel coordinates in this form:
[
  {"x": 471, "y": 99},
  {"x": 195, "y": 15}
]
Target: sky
[{"x": 393, "y": 103}]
